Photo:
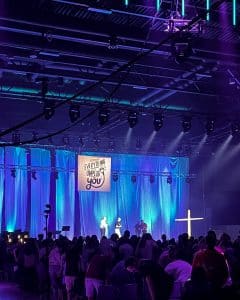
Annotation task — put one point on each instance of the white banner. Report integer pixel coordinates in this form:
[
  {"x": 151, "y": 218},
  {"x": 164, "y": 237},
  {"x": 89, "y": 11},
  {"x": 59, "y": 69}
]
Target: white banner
[{"x": 94, "y": 173}]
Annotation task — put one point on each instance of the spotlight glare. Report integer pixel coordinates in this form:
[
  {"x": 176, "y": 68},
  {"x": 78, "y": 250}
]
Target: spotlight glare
[
  {"x": 74, "y": 112},
  {"x": 103, "y": 116},
  {"x": 132, "y": 118},
  {"x": 49, "y": 109},
  {"x": 158, "y": 121},
  {"x": 235, "y": 127},
  {"x": 210, "y": 126},
  {"x": 169, "y": 179},
  {"x": 186, "y": 124}
]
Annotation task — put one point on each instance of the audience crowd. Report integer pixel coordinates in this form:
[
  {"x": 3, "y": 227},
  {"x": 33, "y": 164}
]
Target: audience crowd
[{"x": 130, "y": 267}]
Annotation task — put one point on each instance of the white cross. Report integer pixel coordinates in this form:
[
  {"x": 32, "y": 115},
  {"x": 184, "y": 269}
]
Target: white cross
[{"x": 189, "y": 219}]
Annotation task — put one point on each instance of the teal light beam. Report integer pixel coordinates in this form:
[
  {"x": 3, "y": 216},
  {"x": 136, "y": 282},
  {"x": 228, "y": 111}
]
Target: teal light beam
[
  {"x": 183, "y": 8},
  {"x": 158, "y": 5},
  {"x": 126, "y": 2},
  {"x": 208, "y": 7},
  {"x": 234, "y": 12}
]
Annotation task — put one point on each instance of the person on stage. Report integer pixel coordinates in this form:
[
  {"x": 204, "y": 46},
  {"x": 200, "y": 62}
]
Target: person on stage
[
  {"x": 104, "y": 227},
  {"x": 141, "y": 228},
  {"x": 118, "y": 226}
]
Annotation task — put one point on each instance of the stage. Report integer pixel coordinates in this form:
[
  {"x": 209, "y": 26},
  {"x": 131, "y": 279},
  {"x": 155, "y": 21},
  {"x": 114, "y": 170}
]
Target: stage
[{"x": 151, "y": 188}]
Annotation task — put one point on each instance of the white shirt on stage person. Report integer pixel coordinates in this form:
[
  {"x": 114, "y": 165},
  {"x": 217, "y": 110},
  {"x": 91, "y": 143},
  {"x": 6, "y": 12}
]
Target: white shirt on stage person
[
  {"x": 118, "y": 226},
  {"x": 104, "y": 227}
]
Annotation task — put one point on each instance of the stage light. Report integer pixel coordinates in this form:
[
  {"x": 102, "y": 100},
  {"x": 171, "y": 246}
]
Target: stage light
[
  {"x": 47, "y": 209},
  {"x": 210, "y": 126},
  {"x": 66, "y": 141},
  {"x": 186, "y": 123},
  {"x": 49, "y": 109},
  {"x": 13, "y": 173},
  {"x": 138, "y": 144},
  {"x": 81, "y": 142},
  {"x": 115, "y": 177},
  {"x": 74, "y": 112},
  {"x": 152, "y": 178},
  {"x": 113, "y": 42},
  {"x": 44, "y": 88},
  {"x": 158, "y": 121},
  {"x": 34, "y": 136},
  {"x": 16, "y": 138},
  {"x": 34, "y": 174},
  {"x": 181, "y": 47},
  {"x": 133, "y": 178},
  {"x": 169, "y": 179},
  {"x": 103, "y": 116},
  {"x": 235, "y": 127},
  {"x": 132, "y": 119}
]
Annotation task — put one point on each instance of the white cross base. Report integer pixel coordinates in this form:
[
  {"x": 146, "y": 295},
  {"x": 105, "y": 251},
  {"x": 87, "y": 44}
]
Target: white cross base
[{"x": 188, "y": 220}]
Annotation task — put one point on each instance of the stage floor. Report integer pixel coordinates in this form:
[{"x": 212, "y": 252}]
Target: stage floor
[{"x": 10, "y": 291}]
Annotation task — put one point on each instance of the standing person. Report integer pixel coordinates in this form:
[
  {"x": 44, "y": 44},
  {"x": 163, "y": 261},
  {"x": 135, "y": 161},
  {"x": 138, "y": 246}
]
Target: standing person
[
  {"x": 212, "y": 262},
  {"x": 104, "y": 227},
  {"x": 143, "y": 227},
  {"x": 118, "y": 227},
  {"x": 138, "y": 229}
]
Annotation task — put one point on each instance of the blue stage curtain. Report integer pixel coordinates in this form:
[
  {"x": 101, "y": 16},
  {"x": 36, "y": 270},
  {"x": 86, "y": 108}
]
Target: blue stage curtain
[
  {"x": 157, "y": 203},
  {"x": 15, "y": 188},
  {"x": 40, "y": 188},
  {"x": 1, "y": 184},
  {"x": 65, "y": 190}
]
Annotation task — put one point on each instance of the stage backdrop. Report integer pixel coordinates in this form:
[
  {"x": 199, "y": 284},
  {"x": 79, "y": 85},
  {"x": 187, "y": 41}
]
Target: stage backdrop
[
  {"x": 31, "y": 179},
  {"x": 157, "y": 203}
]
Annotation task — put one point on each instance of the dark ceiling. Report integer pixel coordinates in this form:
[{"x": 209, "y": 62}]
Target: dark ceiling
[{"x": 74, "y": 44}]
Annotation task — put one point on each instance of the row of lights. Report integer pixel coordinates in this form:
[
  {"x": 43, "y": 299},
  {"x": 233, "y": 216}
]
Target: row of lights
[
  {"x": 104, "y": 114},
  {"x": 169, "y": 178}
]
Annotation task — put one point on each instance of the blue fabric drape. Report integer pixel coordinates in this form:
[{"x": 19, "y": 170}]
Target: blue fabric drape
[
  {"x": 157, "y": 203},
  {"x": 1, "y": 183},
  {"x": 15, "y": 188},
  {"x": 65, "y": 190},
  {"x": 40, "y": 188}
]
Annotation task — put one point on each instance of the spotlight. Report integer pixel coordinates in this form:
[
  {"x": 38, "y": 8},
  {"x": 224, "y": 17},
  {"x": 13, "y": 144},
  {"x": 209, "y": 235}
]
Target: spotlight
[
  {"x": 138, "y": 144},
  {"x": 158, "y": 121},
  {"x": 66, "y": 141},
  {"x": 47, "y": 209},
  {"x": 34, "y": 176},
  {"x": 181, "y": 48},
  {"x": 169, "y": 179},
  {"x": 133, "y": 178},
  {"x": 132, "y": 118},
  {"x": 16, "y": 138},
  {"x": 152, "y": 178},
  {"x": 115, "y": 177},
  {"x": 111, "y": 145},
  {"x": 113, "y": 42},
  {"x": 34, "y": 136},
  {"x": 210, "y": 126},
  {"x": 74, "y": 112},
  {"x": 13, "y": 173},
  {"x": 81, "y": 142},
  {"x": 186, "y": 123},
  {"x": 103, "y": 116},
  {"x": 56, "y": 175},
  {"x": 44, "y": 88},
  {"x": 235, "y": 127},
  {"x": 49, "y": 109}
]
